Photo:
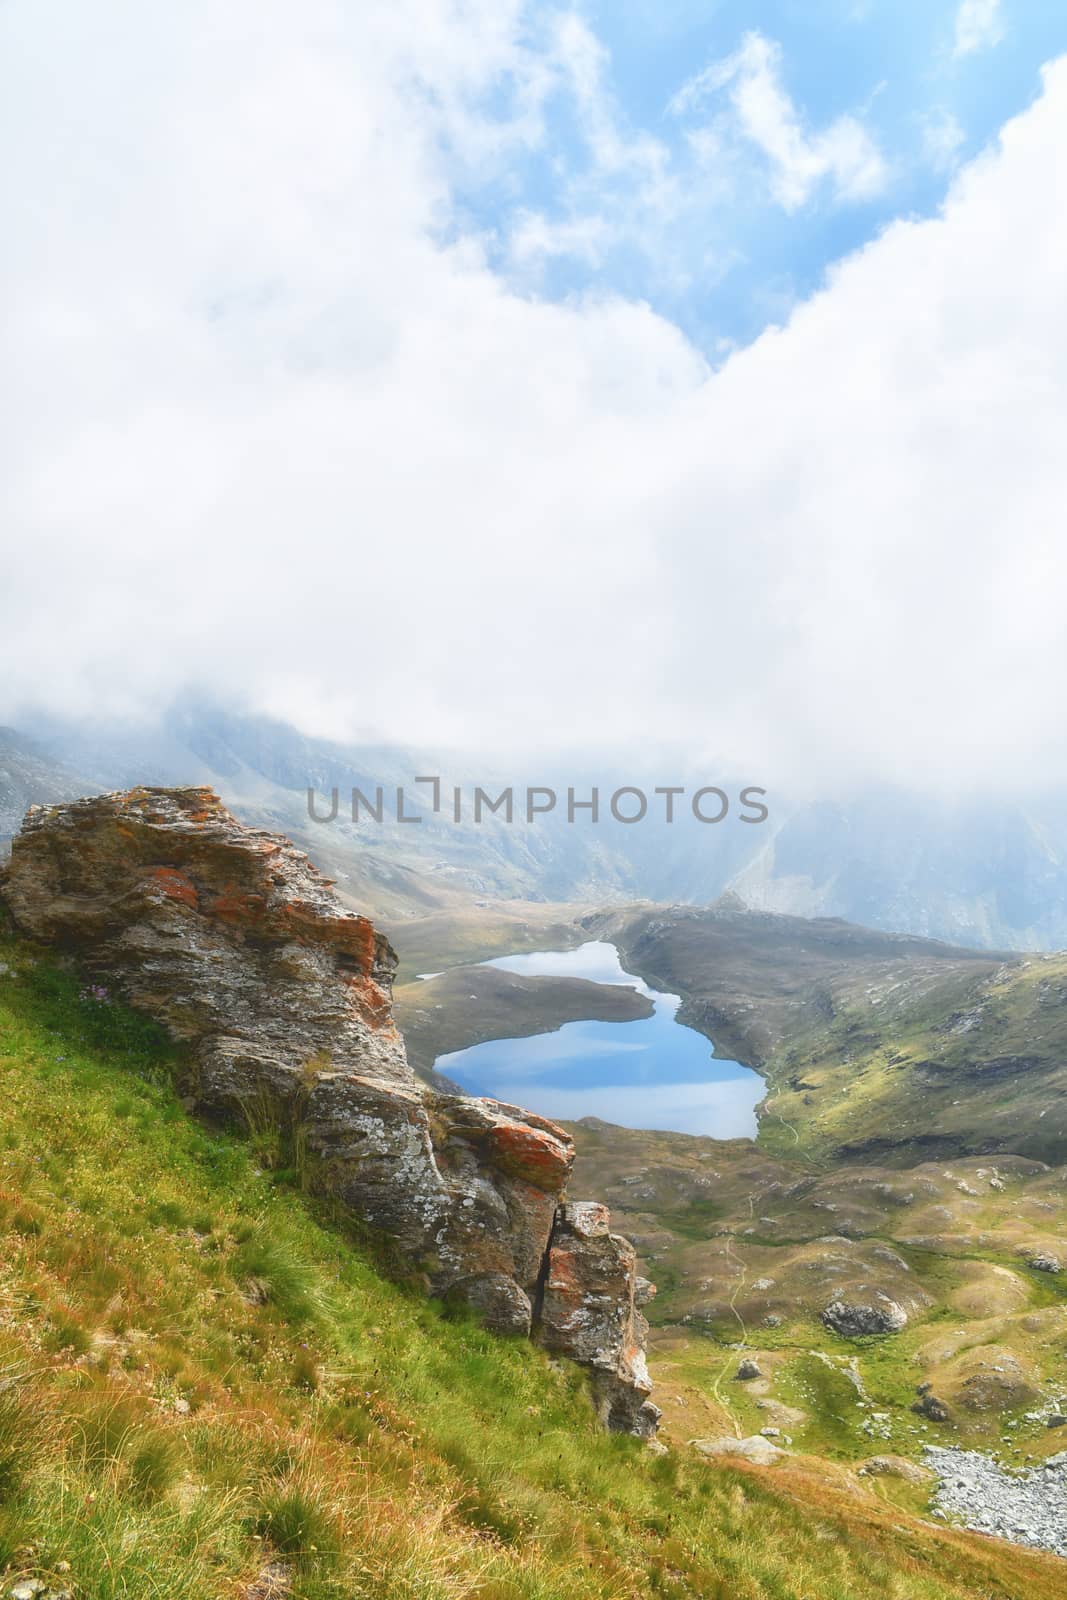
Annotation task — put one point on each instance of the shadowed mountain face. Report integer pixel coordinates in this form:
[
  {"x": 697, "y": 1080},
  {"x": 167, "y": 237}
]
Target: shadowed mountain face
[
  {"x": 985, "y": 873},
  {"x": 757, "y": 981},
  {"x": 31, "y": 775}
]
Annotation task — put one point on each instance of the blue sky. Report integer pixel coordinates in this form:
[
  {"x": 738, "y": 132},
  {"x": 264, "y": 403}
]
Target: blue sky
[{"x": 927, "y": 83}]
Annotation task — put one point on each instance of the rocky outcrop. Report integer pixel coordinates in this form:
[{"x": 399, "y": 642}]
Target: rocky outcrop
[
  {"x": 1044, "y": 1261},
  {"x": 855, "y": 1318},
  {"x": 231, "y": 939},
  {"x": 590, "y": 1310}
]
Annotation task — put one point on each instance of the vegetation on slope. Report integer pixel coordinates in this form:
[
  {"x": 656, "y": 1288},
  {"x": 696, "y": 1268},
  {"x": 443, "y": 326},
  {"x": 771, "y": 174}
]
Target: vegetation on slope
[
  {"x": 875, "y": 1046},
  {"x": 470, "y": 1005},
  {"x": 896, "y": 1074},
  {"x": 207, "y": 1389},
  {"x": 749, "y": 1249}
]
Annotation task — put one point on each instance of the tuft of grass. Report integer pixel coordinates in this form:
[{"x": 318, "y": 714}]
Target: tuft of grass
[
  {"x": 114, "y": 1435},
  {"x": 271, "y": 1270},
  {"x": 23, "y": 1431},
  {"x": 297, "y": 1522},
  {"x": 66, "y": 1331}
]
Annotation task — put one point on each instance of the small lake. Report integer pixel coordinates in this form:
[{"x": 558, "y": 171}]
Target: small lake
[{"x": 650, "y": 1073}]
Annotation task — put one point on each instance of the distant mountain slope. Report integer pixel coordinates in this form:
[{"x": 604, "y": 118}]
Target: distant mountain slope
[
  {"x": 757, "y": 980},
  {"x": 875, "y": 1046},
  {"x": 985, "y": 873},
  {"x": 30, "y": 775}
]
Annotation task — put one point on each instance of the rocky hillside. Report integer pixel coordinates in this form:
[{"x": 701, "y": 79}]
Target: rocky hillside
[
  {"x": 210, "y": 1389},
  {"x": 884, "y": 1308},
  {"x": 230, "y": 938}
]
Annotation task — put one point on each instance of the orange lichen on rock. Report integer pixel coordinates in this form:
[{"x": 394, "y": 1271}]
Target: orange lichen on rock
[
  {"x": 236, "y": 906},
  {"x": 540, "y": 1156},
  {"x": 174, "y": 884},
  {"x": 374, "y": 1004}
]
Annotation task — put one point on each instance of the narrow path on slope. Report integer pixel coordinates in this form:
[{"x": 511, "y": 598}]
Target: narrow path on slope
[{"x": 738, "y": 1286}]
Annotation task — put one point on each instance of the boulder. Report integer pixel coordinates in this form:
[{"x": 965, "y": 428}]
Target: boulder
[
  {"x": 928, "y": 1405},
  {"x": 231, "y": 939},
  {"x": 895, "y": 1467},
  {"x": 588, "y": 1310},
  {"x": 854, "y": 1318},
  {"x": 760, "y": 1451},
  {"x": 748, "y": 1370}
]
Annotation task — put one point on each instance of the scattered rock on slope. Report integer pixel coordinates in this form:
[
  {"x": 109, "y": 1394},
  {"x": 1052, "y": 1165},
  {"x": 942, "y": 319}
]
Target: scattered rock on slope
[{"x": 1028, "y": 1507}]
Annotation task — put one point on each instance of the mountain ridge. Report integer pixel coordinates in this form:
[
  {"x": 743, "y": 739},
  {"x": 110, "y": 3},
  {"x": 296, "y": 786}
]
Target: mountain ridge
[{"x": 989, "y": 873}]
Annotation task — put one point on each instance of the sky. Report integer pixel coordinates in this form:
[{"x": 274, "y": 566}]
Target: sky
[{"x": 530, "y": 377}]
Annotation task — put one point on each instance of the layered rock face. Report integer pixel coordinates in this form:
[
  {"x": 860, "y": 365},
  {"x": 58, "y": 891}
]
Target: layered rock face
[
  {"x": 230, "y": 937},
  {"x": 590, "y": 1311}
]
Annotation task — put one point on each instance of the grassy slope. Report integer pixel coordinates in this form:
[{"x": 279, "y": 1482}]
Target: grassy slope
[
  {"x": 471, "y": 1005},
  {"x": 202, "y": 1378},
  {"x": 874, "y": 1046},
  {"x": 972, "y": 1067}
]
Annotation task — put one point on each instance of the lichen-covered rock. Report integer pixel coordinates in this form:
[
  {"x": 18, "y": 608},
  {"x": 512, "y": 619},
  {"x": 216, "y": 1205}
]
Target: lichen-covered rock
[
  {"x": 231, "y": 939},
  {"x": 589, "y": 1311},
  {"x": 467, "y": 1187},
  {"x": 226, "y": 934},
  {"x": 854, "y": 1318}
]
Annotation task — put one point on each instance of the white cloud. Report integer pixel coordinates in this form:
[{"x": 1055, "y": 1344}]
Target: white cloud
[
  {"x": 536, "y": 238},
  {"x": 979, "y": 26},
  {"x": 616, "y": 188},
  {"x": 800, "y": 160},
  {"x": 280, "y": 431},
  {"x": 942, "y": 139}
]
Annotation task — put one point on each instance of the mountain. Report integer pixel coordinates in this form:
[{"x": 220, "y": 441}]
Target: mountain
[
  {"x": 989, "y": 872},
  {"x": 875, "y": 1046},
  {"x": 221, "y": 1380},
  {"x": 31, "y": 775}
]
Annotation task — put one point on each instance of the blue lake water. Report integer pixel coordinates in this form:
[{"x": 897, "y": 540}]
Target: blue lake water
[{"x": 650, "y": 1073}]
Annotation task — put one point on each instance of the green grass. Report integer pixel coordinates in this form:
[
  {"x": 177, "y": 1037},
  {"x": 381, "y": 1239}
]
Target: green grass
[
  {"x": 202, "y": 1374},
  {"x": 904, "y": 1074}
]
